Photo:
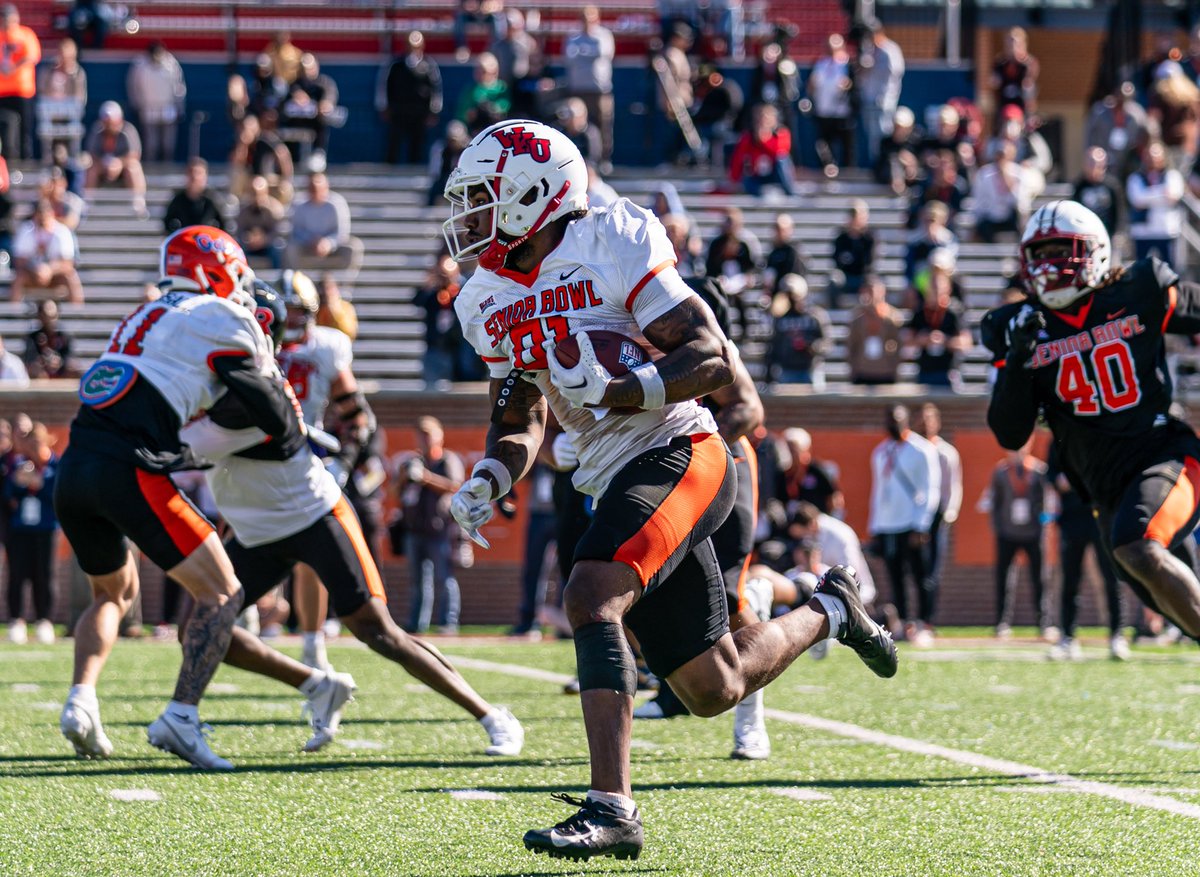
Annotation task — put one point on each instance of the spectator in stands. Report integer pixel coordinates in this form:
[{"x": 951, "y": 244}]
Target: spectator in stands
[
  {"x": 486, "y": 101},
  {"x": 443, "y": 158},
  {"x": 1175, "y": 105},
  {"x": 537, "y": 495},
  {"x": 21, "y": 51},
  {"x": 515, "y": 50},
  {"x": 931, "y": 233},
  {"x": 776, "y": 81},
  {"x": 96, "y": 16},
  {"x": 688, "y": 247},
  {"x": 486, "y": 12},
  {"x": 853, "y": 253},
  {"x": 800, "y": 338},
  {"x": 311, "y": 105},
  {"x": 897, "y": 165},
  {"x": 62, "y": 88},
  {"x": 938, "y": 268},
  {"x": 905, "y": 489},
  {"x": 194, "y": 204},
  {"x": 320, "y": 237},
  {"x": 873, "y": 343},
  {"x": 1001, "y": 195},
  {"x": 1155, "y": 215},
  {"x": 718, "y": 108},
  {"x": 237, "y": 102},
  {"x": 259, "y": 222},
  {"x": 1099, "y": 192},
  {"x": 62, "y": 160},
  {"x": 443, "y": 335},
  {"x": 156, "y": 92},
  {"x": 600, "y": 193},
  {"x": 735, "y": 254},
  {"x": 48, "y": 347},
  {"x": 1014, "y": 75},
  {"x": 950, "y": 493},
  {"x": 938, "y": 330},
  {"x": 424, "y": 482},
  {"x": 13, "y": 375},
  {"x": 68, "y": 207},
  {"x": 44, "y": 257},
  {"x": 333, "y": 310},
  {"x": 8, "y": 210},
  {"x": 763, "y": 155},
  {"x": 944, "y": 185},
  {"x": 285, "y": 57},
  {"x": 801, "y": 478},
  {"x": 409, "y": 97},
  {"x": 786, "y": 255},
  {"x": 879, "y": 76},
  {"x": 677, "y": 91},
  {"x": 1016, "y": 498},
  {"x": 28, "y": 494},
  {"x": 573, "y": 121},
  {"x": 829, "y": 88},
  {"x": 258, "y": 152},
  {"x": 115, "y": 150},
  {"x": 587, "y": 59},
  {"x": 269, "y": 89},
  {"x": 948, "y": 134},
  {"x": 1119, "y": 125}
]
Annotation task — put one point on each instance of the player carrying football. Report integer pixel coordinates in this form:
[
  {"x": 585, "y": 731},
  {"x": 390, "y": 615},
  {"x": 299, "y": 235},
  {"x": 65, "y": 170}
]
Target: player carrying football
[
  {"x": 167, "y": 361},
  {"x": 663, "y": 478},
  {"x": 1086, "y": 351}
]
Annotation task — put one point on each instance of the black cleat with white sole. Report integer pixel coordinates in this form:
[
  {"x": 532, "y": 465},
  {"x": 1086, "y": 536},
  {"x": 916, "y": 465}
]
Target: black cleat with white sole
[
  {"x": 594, "y": 830},
  {"x": 871, "y": 642}
]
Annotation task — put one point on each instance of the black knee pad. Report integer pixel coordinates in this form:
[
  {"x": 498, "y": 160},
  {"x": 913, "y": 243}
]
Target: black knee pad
[{"x": 604, "y": 659}]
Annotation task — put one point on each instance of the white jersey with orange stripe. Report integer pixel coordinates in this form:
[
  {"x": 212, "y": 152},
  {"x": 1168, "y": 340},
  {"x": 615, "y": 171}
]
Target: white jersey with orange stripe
[
  {"x": 262, "y": 500},
  {"x": 614, "y": 270},
  {"x": 173, "y": 341},
  {"x": 312, "y": 365}
]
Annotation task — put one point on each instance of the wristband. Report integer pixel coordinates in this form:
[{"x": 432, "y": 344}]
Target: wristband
[
  {"x": 654, "y": 393},
  {"x": 498, "y": 471}
]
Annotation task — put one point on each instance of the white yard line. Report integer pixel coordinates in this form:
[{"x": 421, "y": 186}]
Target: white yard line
[{"x": 1124, "y": 794}]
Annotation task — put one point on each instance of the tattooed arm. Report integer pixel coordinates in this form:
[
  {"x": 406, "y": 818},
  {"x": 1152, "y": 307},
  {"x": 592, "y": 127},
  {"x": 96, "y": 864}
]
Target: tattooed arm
[
  {"x": 515, "y": 436},
  {"x": 740, "y": 411},
  {"x": 699, "y": 358}
]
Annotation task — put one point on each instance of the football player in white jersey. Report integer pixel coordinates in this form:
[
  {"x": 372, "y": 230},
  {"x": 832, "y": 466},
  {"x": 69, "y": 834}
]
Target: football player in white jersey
[
  {"x": 167, "y": 361},
  {"x": 285, "y": 508},
  {"x": 317, "y": 363},
  {"x": 663, "y": 478}
]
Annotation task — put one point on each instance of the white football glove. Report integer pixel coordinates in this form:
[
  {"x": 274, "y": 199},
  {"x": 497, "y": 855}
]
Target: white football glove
[
  {"x": 584, "y": 383},
  {"x": 471, "y": 506},
  {"x": 563, "y": 452}
]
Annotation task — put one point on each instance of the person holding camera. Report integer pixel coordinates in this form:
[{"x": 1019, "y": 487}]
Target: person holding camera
[{"x": 32, "y": 525}]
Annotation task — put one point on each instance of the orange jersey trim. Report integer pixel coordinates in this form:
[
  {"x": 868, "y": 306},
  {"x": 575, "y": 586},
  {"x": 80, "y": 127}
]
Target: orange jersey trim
[
  {"x": 752, "y": 464},
  {"x": 345, "y": 516},
  {"x": 672, "y": 522},
  {"x": 1172, "y": 299},
  {"x": 186, "y": 526},
  {"x": 1179, "y": 506},
  {"x": 641, "y": 284}
]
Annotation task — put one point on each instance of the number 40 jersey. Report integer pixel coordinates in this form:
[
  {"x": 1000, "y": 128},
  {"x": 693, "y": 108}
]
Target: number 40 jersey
[{"x": 1099, "y": 376}]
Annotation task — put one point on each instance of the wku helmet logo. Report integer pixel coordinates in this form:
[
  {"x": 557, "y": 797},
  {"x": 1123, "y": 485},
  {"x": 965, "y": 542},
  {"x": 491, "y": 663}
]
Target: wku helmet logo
[{"x": 522, "y": 142}]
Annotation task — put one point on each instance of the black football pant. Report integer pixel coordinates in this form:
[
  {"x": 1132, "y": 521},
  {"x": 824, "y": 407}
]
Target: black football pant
[
  {"x": 30, "y": 559},
  {"x": 905, "y": 557},
  {"x": 1006, "y": 552},
  {"x": 1075, "y": 540}
]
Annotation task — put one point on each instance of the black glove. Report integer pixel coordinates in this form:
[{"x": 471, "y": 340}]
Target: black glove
[{"x": 1023, "y": 330}]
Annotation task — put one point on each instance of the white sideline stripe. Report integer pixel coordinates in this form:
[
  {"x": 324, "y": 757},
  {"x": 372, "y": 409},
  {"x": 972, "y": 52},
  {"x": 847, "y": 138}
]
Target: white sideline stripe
[
  {"x": 801, "y": 794},
  {"x": 986, "y": 762},
  {"x": 907, "y": 744},
  {"x": 1177, "y": 745},
  {"x": 135, "y": 795},
  {"x": 26, "y": 687},
  {"x": 373, "y": 745},
  {"x": 474, "y": 795}
]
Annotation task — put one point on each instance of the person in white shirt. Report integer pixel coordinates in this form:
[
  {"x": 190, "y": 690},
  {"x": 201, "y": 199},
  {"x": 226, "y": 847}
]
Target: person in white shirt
[
  {"x": 905, "y": 492},
  {"x": 587, "y": 58},
  {"x": 950, "y": 495},
  {"x": 880, "y": 76},
  {"x": 13, "y": 374},
  {"x": 829, "y": 87},
  {"x": 1001, "y": 194},
  {"x": 156, "y": 92},
  {"x": 1155, "y": 215},
  {"x": 554, "y": 271},
  {"x": 44, "y": 257}
]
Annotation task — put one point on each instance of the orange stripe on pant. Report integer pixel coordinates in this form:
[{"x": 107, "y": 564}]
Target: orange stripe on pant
[
  {"x": 1179, "y": 506},
  {"x": 752, "y": 464},
  {"x": 345, "y": 516},
  {"x": 673, "y": 521},
  {"x": 186, "y": 527}
]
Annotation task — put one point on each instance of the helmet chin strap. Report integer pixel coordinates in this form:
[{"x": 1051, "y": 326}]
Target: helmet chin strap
[{"x": 497, "y": 251}]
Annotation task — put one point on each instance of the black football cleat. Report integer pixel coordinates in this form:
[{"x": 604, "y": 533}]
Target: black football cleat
[
  {"x": 594, "y": 830},
  {"x": 872, "y": 643}
]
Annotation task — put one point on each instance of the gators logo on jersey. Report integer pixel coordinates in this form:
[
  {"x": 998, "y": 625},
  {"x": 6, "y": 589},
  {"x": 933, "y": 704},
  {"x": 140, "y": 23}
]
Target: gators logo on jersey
[{"x": 105, "y": 383}]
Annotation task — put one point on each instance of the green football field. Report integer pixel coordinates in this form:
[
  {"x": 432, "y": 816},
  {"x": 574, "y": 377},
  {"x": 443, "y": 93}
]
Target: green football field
[{"x": 976, "y": 759}]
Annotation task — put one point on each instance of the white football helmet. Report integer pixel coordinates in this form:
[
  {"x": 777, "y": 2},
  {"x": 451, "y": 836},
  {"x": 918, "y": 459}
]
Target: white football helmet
[
  {"x": 531, "y": 175},
  {"x": 1059, "y": 281}
]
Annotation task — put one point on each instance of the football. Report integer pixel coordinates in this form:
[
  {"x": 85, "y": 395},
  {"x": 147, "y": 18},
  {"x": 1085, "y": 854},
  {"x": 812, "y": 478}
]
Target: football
[{"x": 616, "y": 352}]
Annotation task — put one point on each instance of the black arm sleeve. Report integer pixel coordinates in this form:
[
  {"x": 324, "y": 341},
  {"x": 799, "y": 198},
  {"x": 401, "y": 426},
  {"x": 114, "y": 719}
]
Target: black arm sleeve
[
  {"x": 1013, "y": 410},
  {"x": 264, "y": 401},
  {"x": 1184, "y": 319}
]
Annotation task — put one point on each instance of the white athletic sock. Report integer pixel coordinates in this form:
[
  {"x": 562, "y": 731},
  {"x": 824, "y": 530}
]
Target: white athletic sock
[
  {"x": 312, "y": 639},
  {"x": 83, "y": 694},
  {"x": 749, "y": 711},
  {"x": 310, "y": 685},
  {"x": 624, "y": 806},
  {"x": 188, "y": 711},
  {"x": 835, "y": 611}
]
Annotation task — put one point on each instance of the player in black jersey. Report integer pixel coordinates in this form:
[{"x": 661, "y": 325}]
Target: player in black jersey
[{"x": 1086, "y": 351}]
